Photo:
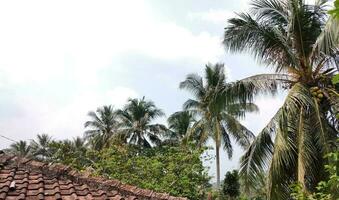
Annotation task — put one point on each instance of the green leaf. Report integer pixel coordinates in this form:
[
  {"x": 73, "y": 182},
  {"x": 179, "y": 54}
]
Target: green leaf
[{"x": 335, "y": 79}]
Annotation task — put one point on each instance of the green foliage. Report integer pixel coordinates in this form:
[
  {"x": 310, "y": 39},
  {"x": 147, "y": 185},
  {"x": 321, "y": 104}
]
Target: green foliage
[
  {"x": 175, "y": 170},
  {"x": 335, "y": 10},
  {"x": 326, "y": 190},
  {"x": 258, "y": 191},
  {"x": 21, "y": 148},
  {"x": 72, "y": 153},
  {"x": 180, "y": 125},
  {"x": 40, "y": 148},
  {"x": 335, "y": 79},
  {"x": 231, "y": 185}
]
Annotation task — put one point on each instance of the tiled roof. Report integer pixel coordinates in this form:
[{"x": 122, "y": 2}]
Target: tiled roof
[{"x": 22, "y": 178}]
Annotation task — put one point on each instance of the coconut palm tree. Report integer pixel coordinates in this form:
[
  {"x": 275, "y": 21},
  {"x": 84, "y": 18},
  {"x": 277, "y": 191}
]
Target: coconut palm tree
[
  {"x": 136, "y": 125},
  {"x": 179, "y": 126},
  {"x": 20, "y": 148},
  {"x": 79, "y": 148},
  {"x": 102, "y": 127},
  {"x": 71, "y": 152},
  {"x": 79, "y": 143},
  {"x": 297, "y": 40},
  {"x": 40, "y": 148},
  {"x": 217, "y": 118}
]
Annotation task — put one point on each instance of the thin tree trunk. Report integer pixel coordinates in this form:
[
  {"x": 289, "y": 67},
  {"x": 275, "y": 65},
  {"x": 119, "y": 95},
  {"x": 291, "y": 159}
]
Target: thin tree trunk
[
  {"x": 218, "y": 164},
  {"x": 217, "y": 148}
]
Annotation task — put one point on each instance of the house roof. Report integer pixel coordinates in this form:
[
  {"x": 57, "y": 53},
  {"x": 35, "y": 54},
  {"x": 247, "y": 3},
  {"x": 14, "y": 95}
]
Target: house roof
[{"x": 22, "y": 178}]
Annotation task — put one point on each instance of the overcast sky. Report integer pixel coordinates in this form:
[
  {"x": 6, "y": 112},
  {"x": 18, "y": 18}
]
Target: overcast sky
[{"x": 60, "y": 59}]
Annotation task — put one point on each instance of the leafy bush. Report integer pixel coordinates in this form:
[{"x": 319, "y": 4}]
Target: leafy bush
[
  {"x": 175, "y": 170},
  {"x": 326, "y": 190},
  {"x": 231, "y": 185}
]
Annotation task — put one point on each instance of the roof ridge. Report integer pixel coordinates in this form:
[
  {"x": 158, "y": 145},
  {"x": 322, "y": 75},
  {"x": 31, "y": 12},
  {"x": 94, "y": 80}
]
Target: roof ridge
[{"x": 86, "y": 177}]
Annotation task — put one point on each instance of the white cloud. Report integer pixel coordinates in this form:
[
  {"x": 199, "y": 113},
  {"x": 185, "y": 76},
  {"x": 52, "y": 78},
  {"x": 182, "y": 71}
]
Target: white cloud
[
  {"x": 72, "y": 116},
  {"x": 34, "y": 115},
  {"x": 219, "y": 16},
  {"x": 212, "y": 15},
  {"x": 44, "y": 40},
  {"x": 268, "y": 106},
  {"x": 170, "y": 41}
]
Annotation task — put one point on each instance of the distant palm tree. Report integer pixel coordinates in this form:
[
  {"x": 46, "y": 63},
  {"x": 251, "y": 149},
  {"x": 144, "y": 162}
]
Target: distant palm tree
[
  {"x": 297, "y": 39},
  {"x": 20, "y": 148},
  {"x": 218, "y": 119},
  {"x": 75, "y": 145},
  {"x": 40, "y": 147},
  {"x": 136, "y": 125},
  {"x": 70, "y": 152},
  {"x": 179, "y": 125},
  {"x": 101, "y": 127},
  {"x": 79, "y": 143}
]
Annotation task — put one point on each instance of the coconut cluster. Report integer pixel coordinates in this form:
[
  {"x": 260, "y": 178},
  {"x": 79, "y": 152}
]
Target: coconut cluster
[{"x": 317, "y": 93}]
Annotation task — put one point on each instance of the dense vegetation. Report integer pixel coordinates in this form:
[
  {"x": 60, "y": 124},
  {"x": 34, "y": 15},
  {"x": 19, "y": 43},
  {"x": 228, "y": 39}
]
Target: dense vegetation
[
  {"x": 294, "y": 157},
  {"x": 231, "y": 185},
  {"x": 174, "y": 169},
  {"x": 126, "y": 145}
]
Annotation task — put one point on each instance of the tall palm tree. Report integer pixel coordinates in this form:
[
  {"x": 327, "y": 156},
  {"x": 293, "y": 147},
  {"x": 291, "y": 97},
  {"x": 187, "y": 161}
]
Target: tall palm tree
[
  {"x": 102, "y": 127},
  {"x": 136, "y": 123},
  {"x": 20, "y": 148},
  {"x": 218, "y": 119},
  {"x": 294, "y": 39},
  {"x": 40, "y": 147}
]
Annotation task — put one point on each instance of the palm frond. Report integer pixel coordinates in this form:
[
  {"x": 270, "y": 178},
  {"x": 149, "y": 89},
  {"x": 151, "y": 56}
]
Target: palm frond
[
  {"x": 272, "y": 11},
  {"x": 194, "y": 84},
  {"x": 20, "y": 148},
  {"x": 256, "y": 158},
  {"x": 226, "y": 142},
  {"x": 280, "y": 175},
  {"x": 246, "y": 89},
  {"x": 180, "y": 123},
  {"x": 239, "y": 132},
  {"x": 240, "y": 109},
  {"x": 192, "y": 104},
  {"x": 328, "y": 41},
  {"x": 199, "y": 132},
  {"x": 265, "y": 41}
]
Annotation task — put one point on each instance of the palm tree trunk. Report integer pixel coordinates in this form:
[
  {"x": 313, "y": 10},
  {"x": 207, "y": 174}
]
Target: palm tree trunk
[
  {"x": 301, "y": 162},
  {"x": 217, "y": 148},
  {"x": 218, "y": 164}
]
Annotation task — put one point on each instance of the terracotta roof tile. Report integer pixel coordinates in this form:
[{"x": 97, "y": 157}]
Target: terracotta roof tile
[{"x": 22, "y": 178}]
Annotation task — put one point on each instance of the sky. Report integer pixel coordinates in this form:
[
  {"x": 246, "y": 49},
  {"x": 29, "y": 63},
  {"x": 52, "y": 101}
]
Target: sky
[{"x": 61, "y": 59}]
